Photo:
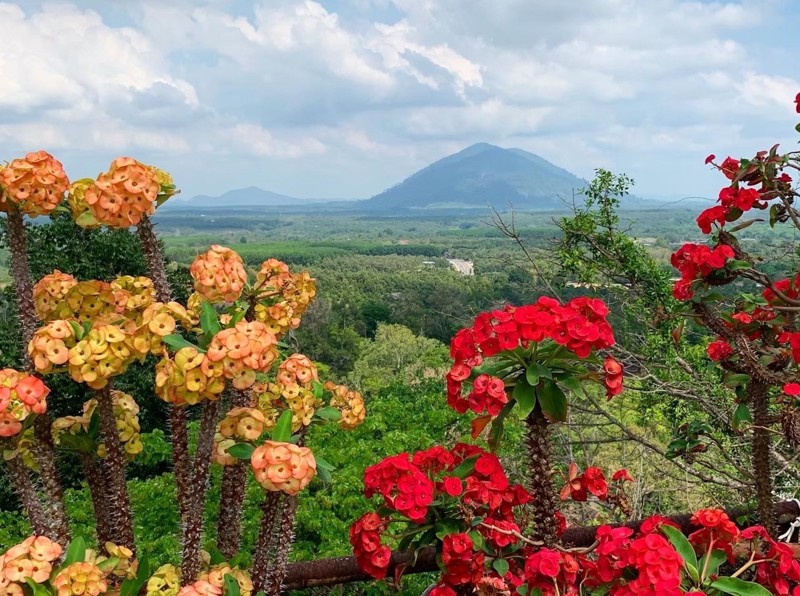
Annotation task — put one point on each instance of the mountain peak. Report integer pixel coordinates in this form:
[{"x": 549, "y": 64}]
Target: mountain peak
[{"x": 479, "y": 175}]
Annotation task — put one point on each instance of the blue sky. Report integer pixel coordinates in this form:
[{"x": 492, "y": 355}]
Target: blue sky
[{"x": 344, "y": 98}]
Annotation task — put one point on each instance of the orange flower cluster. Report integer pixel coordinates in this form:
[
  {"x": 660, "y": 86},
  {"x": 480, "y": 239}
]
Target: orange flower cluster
[
  {"x": 120, "y": 197},
  {"x": 33, "y": 558},
  {"x": 283, "y": 467},
  {"x": 49, "y": 291},
  {"x": 20, "y": 396},
  {"x": 189, "y": 377},
  {"x": 86, "y": 579},
  {"x": 34, "y": 184},
  {"x": 282, "y": 296},
  {"x": 239, "y": 424},
  {"x": 350, "y": 403},
  {"x": 215, "y": 576},
  {"x": 158, "y": 320},
  {"x": 243, "y": 350},
  {"x": 219, "y": 274},
  {"x": 126, "y": 415}
]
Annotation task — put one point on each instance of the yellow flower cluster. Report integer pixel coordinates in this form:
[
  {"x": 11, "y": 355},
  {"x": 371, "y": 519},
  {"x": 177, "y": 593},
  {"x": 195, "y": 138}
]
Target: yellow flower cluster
[
  {"x": 219, "y": 274},
  {"x": 189, "y": 377},
  {"x": 126, "y": 415},
  {"x": 349, "y": 402},
  {"x": 158, "y": 320},
  {"x": 83, "y": 578},
  {"x": 282, "y": 297},
  {"x": 239, "y": 424},
  {"x": 49, "y": 291},
  {"x": 76, "y": 197},
  {"x": 165, "y": 581},
  {"x": 20, "y": 396},
  {"x": 34, "y": 184},
  {"x": 283, "y": 467},
  {"x": 243, "y": 350},
  {"x": 88, "y": 301},
  {"x": 33, "y": 558},
  {"x": 139, "y": 292},
  {"x": 120, "y": 197},
  {"x": 104, "y": 352}
]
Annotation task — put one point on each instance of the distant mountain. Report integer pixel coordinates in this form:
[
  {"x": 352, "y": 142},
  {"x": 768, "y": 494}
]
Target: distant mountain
[
  {"x": 252, "y": 196},
  {"x": 479, "y": 175}
]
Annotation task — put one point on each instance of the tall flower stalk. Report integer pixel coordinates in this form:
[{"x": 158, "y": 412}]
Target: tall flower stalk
[{"x": 34, "y": 185}]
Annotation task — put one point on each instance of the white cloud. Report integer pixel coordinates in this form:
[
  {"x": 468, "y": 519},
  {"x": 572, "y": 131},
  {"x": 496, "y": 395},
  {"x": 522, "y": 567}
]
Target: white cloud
[{"x": 326, "y": 87}]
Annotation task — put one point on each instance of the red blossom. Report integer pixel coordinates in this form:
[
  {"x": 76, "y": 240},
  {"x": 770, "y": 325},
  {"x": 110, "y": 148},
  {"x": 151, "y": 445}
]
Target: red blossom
[
  {"x": 719, "y": 350},
  {"x": 792, "y": 389}
]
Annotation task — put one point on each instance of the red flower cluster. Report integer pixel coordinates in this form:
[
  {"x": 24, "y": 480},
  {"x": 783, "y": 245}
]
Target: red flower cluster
[
  {"x": 793, "y": 339},
  {"x": 786, "y": 287},
  {"x": 403, "y": 486},
  {"x": 658, "y": 566},
  {"x": 719, "y": 349},
  {"x": 462, "y": 565},
  {"x": 697, "y": 261},
  {"x": 365, "y": 536},
  {"x": 411, "y": 484},
  {"x": 779, "y": 566},
  {"x": 546, "y": 568},
  {"x": 579, "y": 486},
  {"x": 580, "y": 326},
  {"x": 614, "y": 377},
  {"x": 716, "y": 529}
]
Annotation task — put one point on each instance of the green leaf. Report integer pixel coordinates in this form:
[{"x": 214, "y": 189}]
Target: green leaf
[
  {"x": 283, "y": 428},
  {"x": 572, "y": 384},
  {"x": 238, "y": 316},
  {"x": 77, "y": 330},
  {"x": 740, "y": 415},
  {"x": 496, "y": 431},
  {"x": 108, "y": 564},
  {"x": 477, "y": 540},
  {"x": 738, "y": 587},
  {"x": 209, "y": 319},
  {"x": 231, "y": 586},
  {"x": 525, "y": 396},
  {"x": 501, "y": 566},
  {"x": 465, "y": 468},
  {"x": 537, "y": 371},
  {"x": 81, "y": 443},
  {"x": 552, "y": 401},
  {"x": 319, "y": 390},
  {"x": 131, "y": 587},
  {"x": 716, "y": 559},
  {"x": 681, "y": 545},
  {"x": 445, "y": 527},
  {"x": 38, "y": 589},
  {"x": 734, "y": 379},
  {"x": 94, "y": 425},
  {"x": 216, "y": 557},
  {"x": 322, "y": 463},
  {"x": 328, "y": 413},
  {"x": 76, "y": 551},
  {"x": 86, "y": 219},
  {"x": 177, "y": 341},
  {"x": 241, "y": 451},
  {"x": 737, "y": 265}
]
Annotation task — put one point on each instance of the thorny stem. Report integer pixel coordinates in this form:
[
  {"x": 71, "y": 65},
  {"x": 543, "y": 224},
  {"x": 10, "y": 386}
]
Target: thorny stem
[
  {"x": 196, "y": 498},
  {"x": 539, "y": 468},
  {"x": 284, "y": 537},
  {"x": 99, "y": 497},
  {"x": 43, "y": 450},
  {"x": 264, "y": 544},
  {"x": 20, "y": 478},
  {"x": 582, "y": 550},
  {"x": 116, "y": 489},
  {"x": 758, "y": 396},
  {"x": 232, "y": 493}
]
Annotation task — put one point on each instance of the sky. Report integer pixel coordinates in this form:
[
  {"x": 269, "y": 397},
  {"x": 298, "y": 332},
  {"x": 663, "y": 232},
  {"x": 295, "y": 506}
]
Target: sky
[{"x": 344, "y": 98}]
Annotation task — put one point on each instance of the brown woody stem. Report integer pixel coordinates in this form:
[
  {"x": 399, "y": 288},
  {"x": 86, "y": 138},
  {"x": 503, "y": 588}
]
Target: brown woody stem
[
  {"x": 263, "y": 553},
  {"x": 196, "y": 497},
  {"x": 758, "y": 396},
  {"x": 97, "y": 490},
  {"x": 43, "y": 449},
  {"x": 543, "y": 503},
  {"x": 232, "y": 493},
  {"x": 154, "y": 258},
  {"x": 20, "y": 478},
  {"x": 283, "y": 537},
  {"x": 116, "y": 489}
]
